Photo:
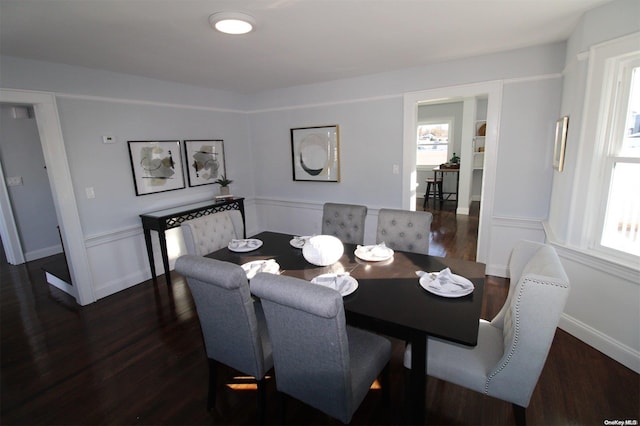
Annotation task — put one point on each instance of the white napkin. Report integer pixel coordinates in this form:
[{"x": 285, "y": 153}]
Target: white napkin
[
  {"x": 378, "y": 250},
  {"x": 444, "y": 281},
  {"x": 301, "y": 240},
  {"x": 338, "y": 282},
  {"x": 243, "y": 243},
  {"x": 269, "y": 265}
]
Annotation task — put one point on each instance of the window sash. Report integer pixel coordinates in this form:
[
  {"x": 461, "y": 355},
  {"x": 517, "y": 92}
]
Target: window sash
[{"x": 619, "y": 218}]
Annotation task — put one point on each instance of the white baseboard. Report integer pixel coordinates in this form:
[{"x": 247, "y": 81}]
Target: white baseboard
[
  {"x": 58, "y": 283},
  {"x": 123, "y": 283},
  {"x": 43, "y": 252},
  {"x": 612, "y": 348}
]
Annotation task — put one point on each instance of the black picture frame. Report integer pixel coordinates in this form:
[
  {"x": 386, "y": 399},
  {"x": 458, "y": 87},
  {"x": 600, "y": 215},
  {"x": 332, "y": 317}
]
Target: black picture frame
[
  {"x": 156, "y": 166},
  {"x": 205, "y": 161}
]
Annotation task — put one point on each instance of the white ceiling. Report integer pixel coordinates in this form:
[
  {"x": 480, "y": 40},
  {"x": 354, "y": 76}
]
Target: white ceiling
[{"x": 296, "y": 41}]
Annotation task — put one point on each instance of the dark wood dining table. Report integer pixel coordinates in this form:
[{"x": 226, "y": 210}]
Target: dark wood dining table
[{"x": 389, "y": 299}]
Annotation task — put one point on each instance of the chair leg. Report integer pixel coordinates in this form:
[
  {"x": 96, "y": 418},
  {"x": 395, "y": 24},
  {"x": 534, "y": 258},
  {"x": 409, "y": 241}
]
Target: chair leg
[
  {"x": 519, "y": 413},
  {"x": 211, "y": 398},
  {"x": 262, "y": 400},
  {"x": 426, "y": 195},
  {"x": 385, "y": 384},
  {"x": 282, "y": 407}
]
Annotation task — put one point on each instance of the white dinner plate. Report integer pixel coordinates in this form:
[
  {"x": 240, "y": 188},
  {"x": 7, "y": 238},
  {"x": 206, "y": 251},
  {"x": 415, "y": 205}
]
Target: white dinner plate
[
  {"x": 426, "y": 280},
  {"x": 252, "y": 268},
  {"x": 373, "y": 253},
  {"x": 244, "y": 245},
  {"x": 346, "y": 283},
  {"x": 299, "y": 242}
]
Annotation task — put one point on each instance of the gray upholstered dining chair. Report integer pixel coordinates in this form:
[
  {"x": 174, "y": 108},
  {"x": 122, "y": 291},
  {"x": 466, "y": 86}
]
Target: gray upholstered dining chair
[
  {"x": 233, "y": 325},
  {"x": 318, "y": 359},
  {"x": 404, "y": 230},
  {"x": 344, "y": 221},
  {"x": 512, "y": 349},
  {"x": 206, "y": 234}
]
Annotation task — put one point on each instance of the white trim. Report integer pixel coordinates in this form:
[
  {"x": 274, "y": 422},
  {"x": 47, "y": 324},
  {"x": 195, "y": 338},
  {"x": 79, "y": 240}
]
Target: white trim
[
  {"x": 624, "y": 354},
  {"x": 8, "y": 229},
  {"x": 540, "y": 77},
  {"x": 324, "y": 104},
  {"x": 216, "y": 109},
  {"x": 494, "y": 107},
  {"x": 110, "y": 237},
  {"x": 58, "y": 283},
  {"x": 585, "y": 207},
  {"x": 612, "y": 266},
  {"x": 43, "y": 252},
  {"x": 49, "y": 129},
  {"x": 141, "y": 102},
  {"x": 517, "y": 222}
]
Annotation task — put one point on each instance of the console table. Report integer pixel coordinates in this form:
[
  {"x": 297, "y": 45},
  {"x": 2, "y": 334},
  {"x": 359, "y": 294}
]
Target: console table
[{"x": 162, "y": 220}]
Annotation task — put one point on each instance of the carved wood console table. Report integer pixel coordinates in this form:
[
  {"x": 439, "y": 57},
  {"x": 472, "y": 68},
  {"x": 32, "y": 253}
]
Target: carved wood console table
[{"x": 162, "y": 220}]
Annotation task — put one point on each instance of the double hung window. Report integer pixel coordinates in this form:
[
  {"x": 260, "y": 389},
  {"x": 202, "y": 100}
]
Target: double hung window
[{"x": 619, "y": 219}]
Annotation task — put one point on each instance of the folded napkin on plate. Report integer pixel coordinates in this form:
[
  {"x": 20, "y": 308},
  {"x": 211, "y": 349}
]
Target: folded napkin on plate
[
  {"x": 446, "y": 282},
  {"x": 338, "y": 282},
  {"x": 378, "y": 250},
  {"x": 243, "y": 243},
  {"x": 265, "y": 266}
]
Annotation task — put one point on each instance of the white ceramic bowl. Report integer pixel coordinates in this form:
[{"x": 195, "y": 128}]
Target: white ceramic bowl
[{"x": 323, "y": 250}]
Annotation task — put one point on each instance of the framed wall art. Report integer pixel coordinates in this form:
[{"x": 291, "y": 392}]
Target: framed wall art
[
  {"x": 315, "y": 153},
  {"x": 205, "y": 161},
  {"x": 562, "y": 126},
  {"x": 156, "y": 166}
]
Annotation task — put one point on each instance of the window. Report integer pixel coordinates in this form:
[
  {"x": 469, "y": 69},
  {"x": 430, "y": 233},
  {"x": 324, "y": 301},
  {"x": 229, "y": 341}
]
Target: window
[
  {"x": 621, "y": 218},
  {"x": 433, "y": 143}
]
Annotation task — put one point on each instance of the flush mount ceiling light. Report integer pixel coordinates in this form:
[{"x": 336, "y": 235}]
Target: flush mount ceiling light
[{"x": 232, "y": 22}]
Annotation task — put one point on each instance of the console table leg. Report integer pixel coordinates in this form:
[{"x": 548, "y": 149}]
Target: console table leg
[
  {"x": 165, "y": 257},
  {"x": 152, "y": 263}
]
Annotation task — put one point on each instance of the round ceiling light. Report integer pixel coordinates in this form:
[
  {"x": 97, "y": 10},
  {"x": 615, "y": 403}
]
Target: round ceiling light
[{"x": 232, "y": 22}]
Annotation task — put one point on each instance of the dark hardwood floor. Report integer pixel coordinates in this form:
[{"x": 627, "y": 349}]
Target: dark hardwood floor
[{"x": 136, "y": 357}]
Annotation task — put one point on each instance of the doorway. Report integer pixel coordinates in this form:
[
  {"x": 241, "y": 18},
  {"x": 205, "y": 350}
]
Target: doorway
[
  {"x": 49, "y": 130},
  {"x": 493, "y": 92},
  {"x": 29, "y": 191}
]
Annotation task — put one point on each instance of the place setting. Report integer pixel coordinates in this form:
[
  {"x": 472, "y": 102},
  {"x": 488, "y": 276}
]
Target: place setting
[
  {"x": 342, "y": 282},
  {"x": 374, "y": 253},
  {"x": 269, "y": 266},
  {"x": 244, "y": 245},
  {"x": 445, "y": 283},
  {"x": 298, "y": 241}
]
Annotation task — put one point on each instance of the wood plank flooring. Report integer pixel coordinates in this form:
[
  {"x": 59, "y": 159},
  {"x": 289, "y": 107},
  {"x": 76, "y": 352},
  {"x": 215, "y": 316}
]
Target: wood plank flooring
[{"x": 137, "y": 358}]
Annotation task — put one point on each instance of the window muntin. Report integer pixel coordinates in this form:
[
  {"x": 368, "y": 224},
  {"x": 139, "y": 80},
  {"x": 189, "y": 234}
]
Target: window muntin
[{"x": 433, "y": 143}]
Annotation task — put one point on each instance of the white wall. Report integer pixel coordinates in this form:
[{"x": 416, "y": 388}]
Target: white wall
[
  {"x": 603, "y": 308},
  {"x": 32, "y": 203}
]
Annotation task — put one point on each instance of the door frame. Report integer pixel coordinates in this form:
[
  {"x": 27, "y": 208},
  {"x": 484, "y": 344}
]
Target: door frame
[
  {"x": 55, "y": 156},
  {"x": 493, "y": 90}
]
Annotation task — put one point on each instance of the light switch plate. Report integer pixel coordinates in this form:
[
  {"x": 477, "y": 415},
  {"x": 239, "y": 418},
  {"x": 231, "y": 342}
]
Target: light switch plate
[
  {"x": 14, "y": 181},
  {"x": 108, "y": 139}
]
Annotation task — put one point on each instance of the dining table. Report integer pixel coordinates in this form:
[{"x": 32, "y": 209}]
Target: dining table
[{"x": 388, "y": 300}]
